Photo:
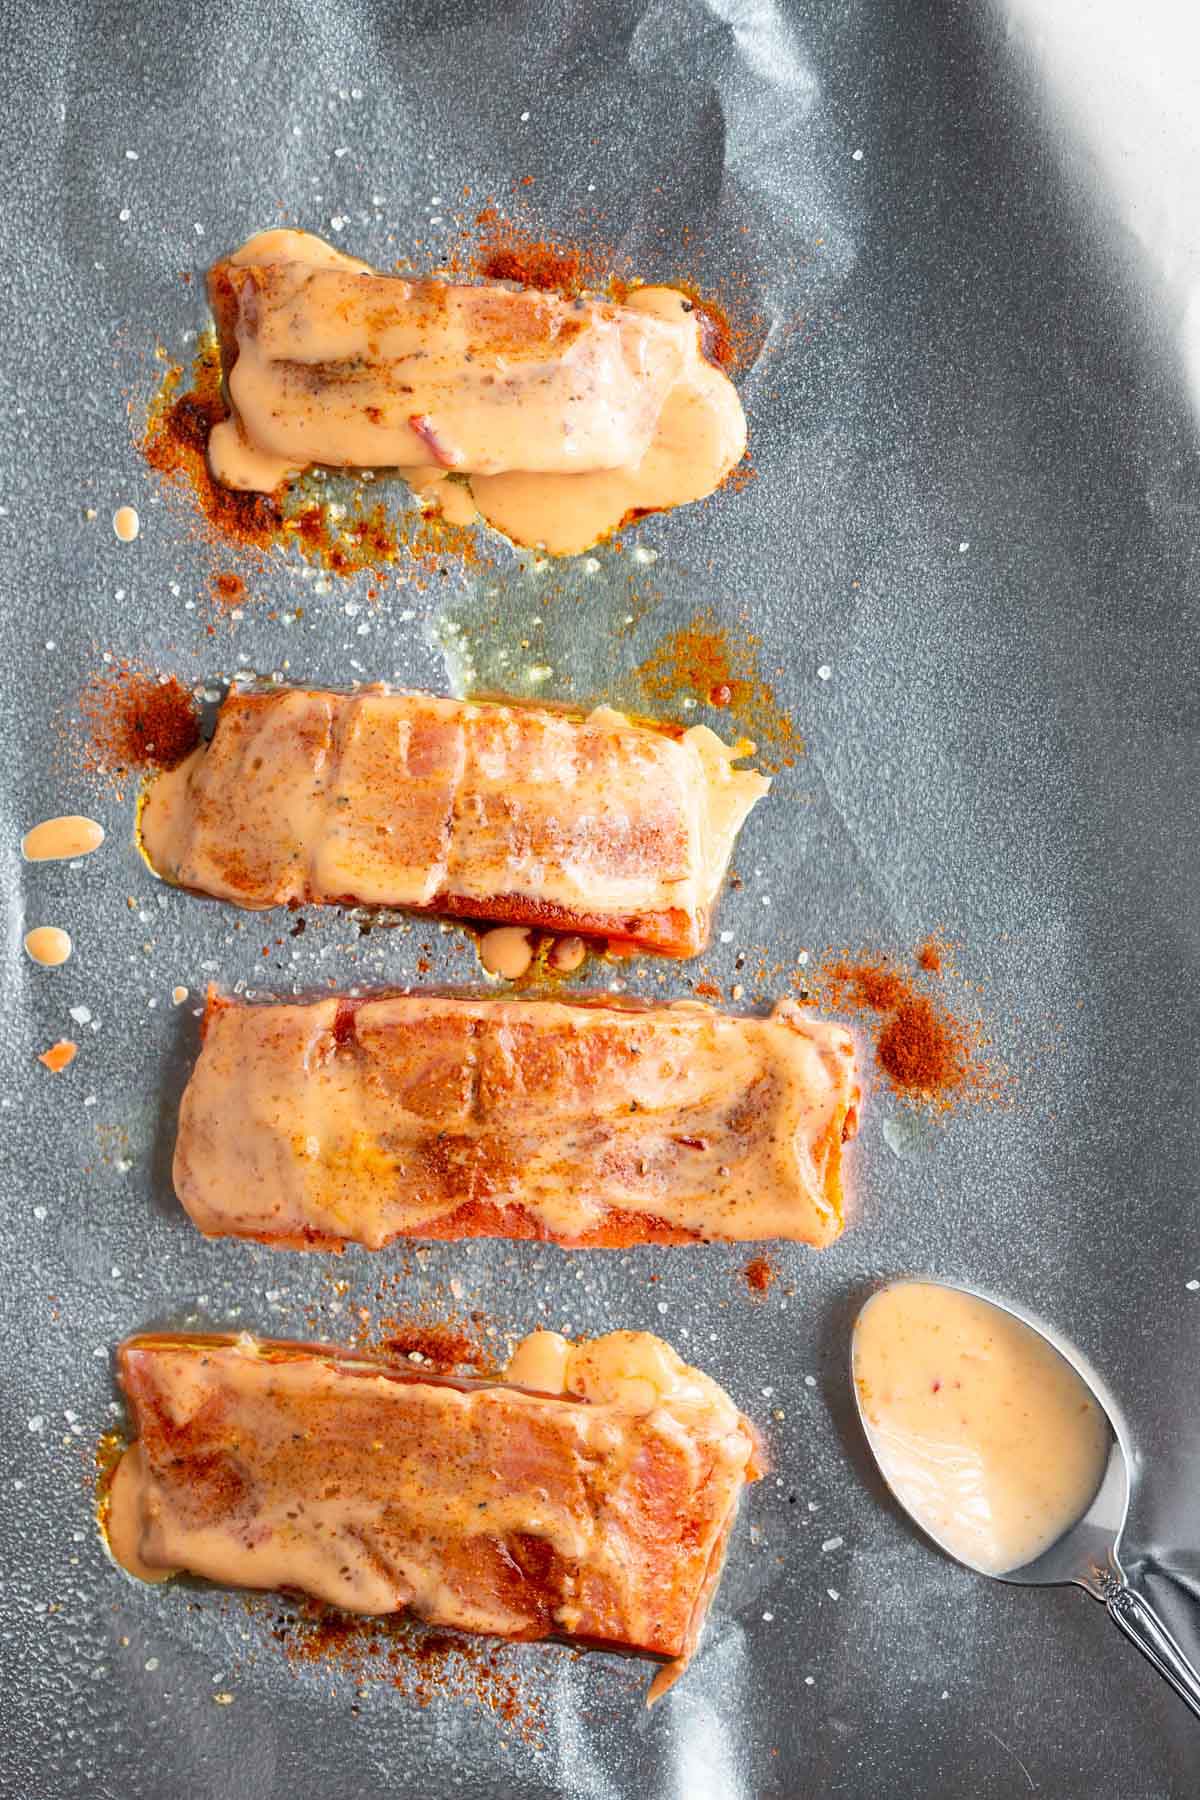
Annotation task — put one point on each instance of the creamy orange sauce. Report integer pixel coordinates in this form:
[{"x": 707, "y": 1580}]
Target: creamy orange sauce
[
  {"x": 562, "y": 417},
  {"x": 590, "y": 1495},
  {"x": 984, "y": 1432},
  {"x": 301, "y": 1125},
  {"x": 566, "y": 954},
  {"x": 126, "y": 523},
  {"x": 482, "y": 810},
  {"x": 124, "y": 1518},
  {"x": 57, "y": 840},
  {"x": 48, "y": 945},
  {"x": 507, "y": 951}
]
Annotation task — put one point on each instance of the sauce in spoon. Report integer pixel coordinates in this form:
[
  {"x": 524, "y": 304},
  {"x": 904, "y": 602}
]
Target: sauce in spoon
[{"x": 984, "y": 1432}]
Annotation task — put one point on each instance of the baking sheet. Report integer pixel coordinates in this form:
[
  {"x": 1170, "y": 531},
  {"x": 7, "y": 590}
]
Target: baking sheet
[{"x": 975, "y": 505}]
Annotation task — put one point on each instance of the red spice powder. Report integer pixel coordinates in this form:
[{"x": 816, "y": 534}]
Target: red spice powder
[
  {"x": 923, "y": 1049},
  {"x": 228, "y": 589},
  {"x": 926, "y": 1051},
  {"x": 440, "y": 1346},
  {"x": 507, "y": 249},
  {"x": 931, "y": 955},
  {"x": 438, "y": 1328},
  {"x": 509, "y": 254},
  {"x": 368, "y": 539},
  {"x": 360, "y": 537},
  {"x": 175, "y": 444},
  {"x": 500, "y": 248},
  {"x": 423, "y": 1665},
  {"x": 760, "y": 1275},
  {"x": 135, "y": 720},
  {"x": 740, "y": 476},
  {"x": 720, "y": 339},
  {"x": 704, "y": 659}
]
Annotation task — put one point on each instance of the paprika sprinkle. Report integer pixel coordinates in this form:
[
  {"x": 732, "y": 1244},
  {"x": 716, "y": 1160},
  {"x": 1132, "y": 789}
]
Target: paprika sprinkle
[
  {"x": 703, "y": 660},
  {"x": 344, "y": 537},
  {"x": 135, "y": 720},
  {"x": 509, "y": 250},
  {"x": 927, "y": 1053},
  {"x": 437, "y": 1346},
  {"x": 508, "y": 253},
  {"x": 175, "y": 445},
  {"x": 759, "y": 1275},
  {"x": 420, "y": 1664},
  {"x": 932, "y": 955}
]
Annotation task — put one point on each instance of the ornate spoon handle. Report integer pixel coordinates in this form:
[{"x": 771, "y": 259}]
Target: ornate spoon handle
[{"x": 1140, "y": 1623}]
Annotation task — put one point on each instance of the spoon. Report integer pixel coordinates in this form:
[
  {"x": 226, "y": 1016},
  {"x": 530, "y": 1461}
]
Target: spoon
[{"x": 933, "y": 1442}]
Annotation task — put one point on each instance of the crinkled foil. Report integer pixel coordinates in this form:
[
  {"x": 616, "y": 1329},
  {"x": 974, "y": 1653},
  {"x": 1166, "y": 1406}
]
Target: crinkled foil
[{"x": 969, "y": 557}]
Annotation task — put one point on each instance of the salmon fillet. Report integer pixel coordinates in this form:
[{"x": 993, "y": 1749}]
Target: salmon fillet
[
  {"x": 559, "y": 420},
  {"x": 588, "y": 1496},
  {"x": 596, "y": 825},
  {"x": 346, "y": 360},
  {"x": 314, "y": 1124}
]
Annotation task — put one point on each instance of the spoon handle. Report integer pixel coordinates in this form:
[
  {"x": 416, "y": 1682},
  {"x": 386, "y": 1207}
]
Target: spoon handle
[{"x": 1140, "y": 1623}]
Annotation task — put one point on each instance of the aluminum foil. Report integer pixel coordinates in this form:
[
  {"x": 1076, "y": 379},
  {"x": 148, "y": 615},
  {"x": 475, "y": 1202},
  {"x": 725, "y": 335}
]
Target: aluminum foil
[{"x": 969, "y": 557}]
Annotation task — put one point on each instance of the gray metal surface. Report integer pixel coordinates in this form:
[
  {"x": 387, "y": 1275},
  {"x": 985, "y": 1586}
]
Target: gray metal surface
[{"x": 976, "y": 503}]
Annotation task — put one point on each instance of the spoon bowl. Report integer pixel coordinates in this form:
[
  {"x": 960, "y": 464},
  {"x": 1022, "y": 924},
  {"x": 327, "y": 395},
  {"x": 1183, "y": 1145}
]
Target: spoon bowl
[{"x": 1086, "y": 1551}]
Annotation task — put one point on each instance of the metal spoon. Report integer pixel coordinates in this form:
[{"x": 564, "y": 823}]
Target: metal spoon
[{"x": 1088, "y": 1552}]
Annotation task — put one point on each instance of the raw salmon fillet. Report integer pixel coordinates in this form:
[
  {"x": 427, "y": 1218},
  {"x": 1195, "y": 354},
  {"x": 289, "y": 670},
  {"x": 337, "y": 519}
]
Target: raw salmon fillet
[
  {"x": 313, "y": 1124},
  {"x": 587, "y": 1496},
  {"x": 595, "y": 825}
]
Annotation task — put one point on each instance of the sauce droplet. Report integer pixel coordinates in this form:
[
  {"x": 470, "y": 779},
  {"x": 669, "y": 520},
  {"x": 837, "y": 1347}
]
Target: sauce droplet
[
  {"x": 48, "y": 945},
  {"x": 126, "y": 523},
  {"x": 57, "y": 840},
  {"x": 507, "y": 951},
  {"x": 566, "y": 954},
  {"x": 983, "y": 1431}
]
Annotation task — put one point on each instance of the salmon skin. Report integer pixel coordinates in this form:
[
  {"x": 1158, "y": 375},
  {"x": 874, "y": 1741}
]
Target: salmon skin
[
  {"x": 313, "y": 1124},
  {"x": 594, "y": 825},
  {"x": 594, "y": 1506}
]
